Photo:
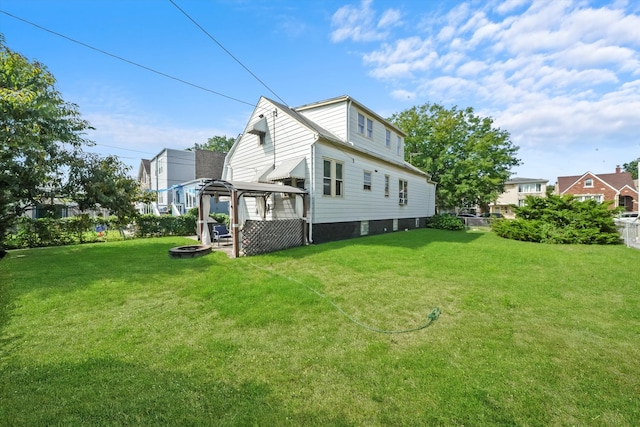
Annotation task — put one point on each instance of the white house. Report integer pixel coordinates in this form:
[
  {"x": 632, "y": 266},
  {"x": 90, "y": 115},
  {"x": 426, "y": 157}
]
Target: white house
[
  {"x": 349, "y": 160},
  {"x": 170, "y": 169},
  {"x": 515, "y": 192}
]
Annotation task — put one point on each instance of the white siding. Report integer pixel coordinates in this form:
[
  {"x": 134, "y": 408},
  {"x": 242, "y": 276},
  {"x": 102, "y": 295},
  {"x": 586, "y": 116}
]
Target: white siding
[
  {"x": 292, "y": 141},
  {"x": 295, "y": 140},
  {"x": 358, "y": 204},
  {"x": 376, "y": 144},
  {"x": 332, "y": 117},
  {"x": 171, "y": 167}
]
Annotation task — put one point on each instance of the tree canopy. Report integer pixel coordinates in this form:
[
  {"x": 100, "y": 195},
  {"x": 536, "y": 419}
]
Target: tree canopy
[
  {"x": 465, "y": 154},
  {"x": 41, "y": 144},
  {"x": 218, "y": 143},
  {"x": 632, "y": 167}
]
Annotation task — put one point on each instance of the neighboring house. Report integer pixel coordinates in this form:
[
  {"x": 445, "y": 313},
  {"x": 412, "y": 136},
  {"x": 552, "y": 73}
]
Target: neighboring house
[
  {"x": 169, "y": 169},
  {"x": 349, "y": 160},
  {"x": 144, "y": 174},
  {"x": 185, "y": 196},
  {"x": 515, "y": 192},
  {"x": 617, "y": 187},
  {"x": 58, "y": 208}
]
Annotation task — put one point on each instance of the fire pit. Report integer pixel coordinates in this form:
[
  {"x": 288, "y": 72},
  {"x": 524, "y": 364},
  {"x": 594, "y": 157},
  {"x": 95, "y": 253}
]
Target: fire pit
[{"x": 189, "y": 251}]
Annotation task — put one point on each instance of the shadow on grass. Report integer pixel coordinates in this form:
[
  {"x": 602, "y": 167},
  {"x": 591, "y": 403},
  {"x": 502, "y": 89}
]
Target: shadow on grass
[
  {"x": 70, "y": 268},
  {"x": 413, "y": 239},
  {"x": 67, "y": 268},
  {"x": 112, "y": 392}
]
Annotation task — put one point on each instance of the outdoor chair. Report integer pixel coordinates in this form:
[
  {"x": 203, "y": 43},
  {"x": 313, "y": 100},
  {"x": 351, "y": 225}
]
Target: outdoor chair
[{"x": 220, "y": 232}]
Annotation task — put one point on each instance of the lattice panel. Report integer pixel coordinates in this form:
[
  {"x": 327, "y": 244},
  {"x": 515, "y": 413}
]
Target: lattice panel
[{"x": 259, "y": 237}]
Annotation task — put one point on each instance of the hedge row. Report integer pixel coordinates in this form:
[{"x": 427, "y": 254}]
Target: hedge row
[{"x": 32, "y": 233}]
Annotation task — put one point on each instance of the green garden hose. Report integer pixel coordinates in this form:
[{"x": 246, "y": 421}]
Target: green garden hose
[{"x": 431, "y": 317}]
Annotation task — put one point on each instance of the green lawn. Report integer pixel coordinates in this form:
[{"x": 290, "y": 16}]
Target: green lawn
[{"x": 120, "y": 334}]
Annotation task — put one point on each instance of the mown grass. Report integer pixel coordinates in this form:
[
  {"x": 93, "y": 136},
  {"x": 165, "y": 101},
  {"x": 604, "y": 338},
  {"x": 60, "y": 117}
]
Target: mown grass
[{"x": 119, "y": 334}]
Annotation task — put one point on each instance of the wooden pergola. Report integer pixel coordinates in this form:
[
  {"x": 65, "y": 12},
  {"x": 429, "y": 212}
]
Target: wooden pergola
[{"x": 235, "y": 190}]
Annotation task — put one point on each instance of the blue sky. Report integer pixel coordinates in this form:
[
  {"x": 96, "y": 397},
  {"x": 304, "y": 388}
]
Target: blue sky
[{"x": 562, "y": 77}]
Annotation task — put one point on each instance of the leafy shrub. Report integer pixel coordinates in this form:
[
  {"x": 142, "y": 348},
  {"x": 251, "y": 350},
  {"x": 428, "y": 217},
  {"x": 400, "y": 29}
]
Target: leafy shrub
[
  {"x": 221, "y": 218},
  {"x": 40, "y": 232},
  {"x": 561, "y": 219},
  {"x": 445, "y": 222}
]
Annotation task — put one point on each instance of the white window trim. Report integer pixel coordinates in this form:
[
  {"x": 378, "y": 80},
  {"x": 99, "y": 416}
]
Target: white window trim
[
  {"x": 333, "y": 178},
  {"x": 387, "y": 185},
  {"x": 364, "y": 184},
  {"x": 403, "y": 192},
  {"x": 363, "y": 128}
]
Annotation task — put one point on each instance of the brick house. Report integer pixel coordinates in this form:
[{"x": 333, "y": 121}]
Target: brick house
[{"x": 618, "y": 186}]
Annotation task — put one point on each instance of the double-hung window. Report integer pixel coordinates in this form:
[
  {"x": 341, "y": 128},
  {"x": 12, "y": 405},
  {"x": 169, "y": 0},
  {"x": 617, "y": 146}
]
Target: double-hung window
[
  {"x": 386, "y": 186},
  {"x": 361, "y": 124},
  {"x": 387, "y": 141},
  {"x": 399, "y": 147},
  {"x": 403, "y": 193},
  {"x": 332, "y": 178},
  {"x": 367, "y": 180},
  {"x": 365, "y": 125}
]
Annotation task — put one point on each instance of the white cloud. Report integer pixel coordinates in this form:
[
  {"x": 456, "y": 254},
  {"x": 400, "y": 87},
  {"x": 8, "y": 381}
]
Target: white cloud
[
  {"x": 472, "y": 68},
  {"x": 402, "y": 59},
  {"x": 358, "y": 23},
  {"x": 552, "y": 73}
]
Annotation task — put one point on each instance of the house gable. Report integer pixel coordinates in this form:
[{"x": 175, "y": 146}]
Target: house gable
[
  {"x": 600, "y": 187},
  {"x": 358, "y": 126}
]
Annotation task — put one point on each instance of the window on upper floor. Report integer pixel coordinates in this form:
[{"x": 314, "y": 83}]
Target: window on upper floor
[
  {"x": 399, "y": 150},
  {"x": 387, "y": 141},
  {"x": 403, "y": 187},
  {"x": 365, "y": 125},
  {"x": 529, "y": 188},
  {"x": 588, "y": 183},
  {"x": 332, "y": 178},
  {"x": 367, "y": 180}
]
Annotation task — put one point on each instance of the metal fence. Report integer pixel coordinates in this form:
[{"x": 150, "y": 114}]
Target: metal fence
[{"x": 630, "y": 233}]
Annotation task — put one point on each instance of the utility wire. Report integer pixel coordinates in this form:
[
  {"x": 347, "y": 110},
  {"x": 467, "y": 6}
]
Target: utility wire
[
  {"x": 128, "y": 61},
  {"x": 227, "y": 51}
]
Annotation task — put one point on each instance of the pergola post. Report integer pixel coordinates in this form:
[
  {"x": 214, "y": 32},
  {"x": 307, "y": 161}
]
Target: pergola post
[{"x": 235, "y": 228}]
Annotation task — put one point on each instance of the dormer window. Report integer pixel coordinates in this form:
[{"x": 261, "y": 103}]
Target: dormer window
[
  {"x": 588, "y": 183},
  {"x": 365, "y": 124}
]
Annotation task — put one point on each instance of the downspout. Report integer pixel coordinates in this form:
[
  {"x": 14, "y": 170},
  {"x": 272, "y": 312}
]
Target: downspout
[
  {"x": 275, "y": 114},
  {"x": 312, "y": 201}
]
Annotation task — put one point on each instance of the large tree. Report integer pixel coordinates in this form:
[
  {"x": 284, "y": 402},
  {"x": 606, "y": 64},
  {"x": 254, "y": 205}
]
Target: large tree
[
  {"x": 39, "y": 132},
  {"x": 41, "y": 141},
  {"x": 632, "y": 167},
  {"x": 465, "y": 154},
  {"x": 218, "y": 143},
  {"x": 104, "y": 182}
]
